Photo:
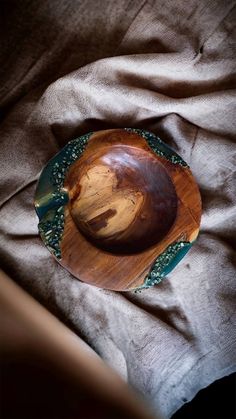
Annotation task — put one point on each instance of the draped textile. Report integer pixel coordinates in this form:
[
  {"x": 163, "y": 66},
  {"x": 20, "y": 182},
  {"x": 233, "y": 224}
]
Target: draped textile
[{"x": 69, "y": 67}]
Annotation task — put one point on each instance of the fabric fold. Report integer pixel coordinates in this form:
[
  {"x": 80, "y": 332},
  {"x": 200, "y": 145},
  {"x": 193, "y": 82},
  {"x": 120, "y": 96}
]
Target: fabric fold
[{"x": 168, "y": 67}]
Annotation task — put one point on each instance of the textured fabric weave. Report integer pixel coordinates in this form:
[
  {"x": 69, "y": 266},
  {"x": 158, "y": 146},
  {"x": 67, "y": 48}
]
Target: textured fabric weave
[{"x": 69, "y": 67}]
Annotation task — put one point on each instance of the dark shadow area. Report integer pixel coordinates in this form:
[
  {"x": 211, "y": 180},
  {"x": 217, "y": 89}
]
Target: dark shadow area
[
  {"x": 32, "y": 388},
  {"x": 217, "y": 401}
]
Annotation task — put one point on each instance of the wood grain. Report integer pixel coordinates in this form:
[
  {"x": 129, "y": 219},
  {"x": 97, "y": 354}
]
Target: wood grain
[
  {"x": 126, "y": 206},
  {"x": 121, "y": 198}
]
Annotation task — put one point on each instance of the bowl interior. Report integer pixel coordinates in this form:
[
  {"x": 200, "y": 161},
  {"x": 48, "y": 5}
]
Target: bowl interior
[{"x": 121, "y": 198}]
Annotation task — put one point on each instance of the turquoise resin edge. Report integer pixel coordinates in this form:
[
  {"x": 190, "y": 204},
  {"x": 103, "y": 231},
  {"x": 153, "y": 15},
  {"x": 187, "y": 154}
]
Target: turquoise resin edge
[
  {"x": 165, "y": 263},
  {"x": 159, "y": 147},
  {"x": 50, "y": 196}
]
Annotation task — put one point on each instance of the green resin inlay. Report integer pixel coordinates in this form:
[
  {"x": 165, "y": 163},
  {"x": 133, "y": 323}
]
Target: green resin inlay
[
  {"x": 51, "y": 229},
  {"x": 72, "y": 152},
  {"x": 50, "y": 201},
  {"x": 165, "y": 262},
  {"x": 51, "y": 197},
  {"x": 159, "y": 147}
]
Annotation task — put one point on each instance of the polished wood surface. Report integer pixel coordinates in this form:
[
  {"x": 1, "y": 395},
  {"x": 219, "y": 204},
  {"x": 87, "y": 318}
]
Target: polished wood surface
[
  {"x": 126, "y": 206},
  {"x": 121, "y": 198}
]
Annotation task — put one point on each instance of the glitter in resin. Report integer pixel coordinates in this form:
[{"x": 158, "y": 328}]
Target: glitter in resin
[
  {"x": 165, "y": 262},
  {"x": 159, "y": 147},
  {"x": 51, "y": 224}
]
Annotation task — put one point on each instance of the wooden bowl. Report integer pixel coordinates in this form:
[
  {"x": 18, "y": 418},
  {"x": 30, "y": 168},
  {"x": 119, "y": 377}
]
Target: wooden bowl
[{"x": 118, "y": 208}]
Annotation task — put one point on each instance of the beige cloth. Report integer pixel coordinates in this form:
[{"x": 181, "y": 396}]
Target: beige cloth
[{"x": 167, "y": 66}]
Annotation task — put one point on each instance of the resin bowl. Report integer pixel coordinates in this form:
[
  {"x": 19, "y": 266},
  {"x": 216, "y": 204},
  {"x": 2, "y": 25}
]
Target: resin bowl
[{"x": 118, "y": 208}]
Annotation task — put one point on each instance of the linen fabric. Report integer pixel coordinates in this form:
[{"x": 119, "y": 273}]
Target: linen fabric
[{"x": 69, "y": 67}]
